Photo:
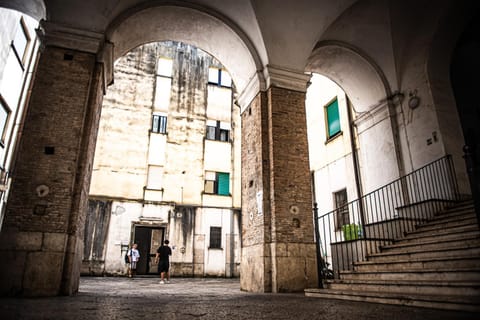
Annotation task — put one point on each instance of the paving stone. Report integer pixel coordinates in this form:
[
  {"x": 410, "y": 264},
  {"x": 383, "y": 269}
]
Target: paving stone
[{"x": 187, "y": 298}]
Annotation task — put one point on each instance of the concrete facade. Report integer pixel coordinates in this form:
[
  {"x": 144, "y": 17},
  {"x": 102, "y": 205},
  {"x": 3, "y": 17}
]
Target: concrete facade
[{"x": 151, "y": 176}]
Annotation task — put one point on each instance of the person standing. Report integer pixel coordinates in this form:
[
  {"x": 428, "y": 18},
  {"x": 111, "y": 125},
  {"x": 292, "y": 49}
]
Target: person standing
[
  {"x": 133, "y": 257},
  {"x": 163, "y": 259}
]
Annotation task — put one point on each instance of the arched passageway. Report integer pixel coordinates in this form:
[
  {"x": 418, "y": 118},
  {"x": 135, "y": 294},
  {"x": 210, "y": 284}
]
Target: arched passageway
[
  {"x": 76, "y": 74},
  {"x": 367, "y": 47}
]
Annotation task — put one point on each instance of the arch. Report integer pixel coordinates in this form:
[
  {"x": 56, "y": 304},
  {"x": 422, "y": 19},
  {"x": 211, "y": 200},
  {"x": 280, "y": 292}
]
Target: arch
[
  {"x": 34, "y": 8},
  {"x": 362, "y": 80},
  {"x": 192, "y": 25}
]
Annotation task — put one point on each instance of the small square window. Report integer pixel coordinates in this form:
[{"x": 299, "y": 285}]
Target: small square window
[
  {"x": 216, "y": 131},
  {"x": 159, "y": 123},
  {"x": 217, "y": 183}
]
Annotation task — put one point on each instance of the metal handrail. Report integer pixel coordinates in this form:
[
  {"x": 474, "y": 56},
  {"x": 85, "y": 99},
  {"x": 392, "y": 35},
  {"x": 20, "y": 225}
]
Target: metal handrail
[{"x": 382, "y": 216}]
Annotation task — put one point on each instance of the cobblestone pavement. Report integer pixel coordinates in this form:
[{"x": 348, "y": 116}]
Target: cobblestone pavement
[{"x": 144, "y": 298}]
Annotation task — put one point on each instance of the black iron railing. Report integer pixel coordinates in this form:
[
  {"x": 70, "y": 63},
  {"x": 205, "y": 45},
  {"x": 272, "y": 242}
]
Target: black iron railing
[{"x": 351, "y": 232}]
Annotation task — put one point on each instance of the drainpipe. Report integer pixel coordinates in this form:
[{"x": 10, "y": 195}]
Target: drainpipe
[{"x": 356, "y": 165}]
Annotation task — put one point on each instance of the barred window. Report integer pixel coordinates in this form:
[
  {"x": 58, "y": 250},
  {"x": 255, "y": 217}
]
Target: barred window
[
  {"x": 216, "y": 237},
  {"x": 159, "y": 123}
]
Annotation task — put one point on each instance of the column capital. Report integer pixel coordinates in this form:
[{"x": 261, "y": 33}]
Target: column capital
[
  {"x": 272, "y": 76},
  {"x": 277, "y": 76},
  {"x": 54, "y": 34}
]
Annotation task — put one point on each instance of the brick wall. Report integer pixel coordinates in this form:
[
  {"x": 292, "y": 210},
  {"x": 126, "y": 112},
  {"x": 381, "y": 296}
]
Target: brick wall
[
  {"x": 278, "y": 252},
  {"x": 45, "y": 213}
]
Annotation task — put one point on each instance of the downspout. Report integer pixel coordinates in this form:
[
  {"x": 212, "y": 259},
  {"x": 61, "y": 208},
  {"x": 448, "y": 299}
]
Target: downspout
[{"x": 356, "y": 164}]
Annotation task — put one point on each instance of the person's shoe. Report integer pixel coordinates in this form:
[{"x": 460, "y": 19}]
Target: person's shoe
[
  {"x": 168, "y": 281},
  {"x": 162, "y": 282}
]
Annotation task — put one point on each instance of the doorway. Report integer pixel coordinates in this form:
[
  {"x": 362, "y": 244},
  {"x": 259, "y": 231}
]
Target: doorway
[{"x": 148, "y": 240}]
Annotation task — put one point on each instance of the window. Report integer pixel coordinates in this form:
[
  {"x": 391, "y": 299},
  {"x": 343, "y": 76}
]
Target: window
[
  {"x": 20, "y": 43},
  {"x": 219, "y": 77},
  {"x": 159, "y": 123},
  {"x": 164, "y": 67},
  {"x": 217, "y": 183},
  {"x": 333, "y": 119},
  {"x": 4, "y": 115},
  {"x": 215, "y": 237},
  {"x": 342, "y": 216},
  {"x": 217, "y": 130}
]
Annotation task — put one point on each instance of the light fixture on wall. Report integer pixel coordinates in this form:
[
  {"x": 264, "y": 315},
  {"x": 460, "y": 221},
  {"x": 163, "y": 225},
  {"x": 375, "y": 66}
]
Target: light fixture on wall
[{"x": 413, "y": 101}]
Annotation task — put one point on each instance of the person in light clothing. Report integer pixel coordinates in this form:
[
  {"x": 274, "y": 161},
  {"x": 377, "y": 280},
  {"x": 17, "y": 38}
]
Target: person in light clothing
[{"x": 133, "y": 257}]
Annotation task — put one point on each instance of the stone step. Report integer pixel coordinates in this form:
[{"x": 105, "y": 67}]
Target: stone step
[
  {"x": 454, "y": 212},
  {"x": 438, "y": 243},
  {"x": 409, "y": 264},
  {"x": 466, "y": 303},
  {"x": 442, "y": 219},
  {"x": 432, "y": 226},
  {"x": 458, "y": 206},
  {"x": 457, "y": 288},
  {"x": 447, "y": 235},
  {"x": 456, "y": 274},
  {"x": 464, "y": 227},
  {"x": 421, "y": 254}
]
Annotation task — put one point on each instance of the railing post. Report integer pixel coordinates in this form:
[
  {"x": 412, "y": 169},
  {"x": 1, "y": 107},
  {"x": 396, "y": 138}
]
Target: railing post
[{"x": 320, "y": 263}]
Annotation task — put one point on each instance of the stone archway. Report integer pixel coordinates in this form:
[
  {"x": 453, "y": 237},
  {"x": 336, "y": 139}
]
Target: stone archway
[
  {"x": 372, "y": 103},
  {"x": 45, "y": 230}
]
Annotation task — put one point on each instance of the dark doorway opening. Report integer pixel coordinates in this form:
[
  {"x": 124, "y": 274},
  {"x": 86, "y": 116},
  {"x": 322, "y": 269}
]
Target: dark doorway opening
[
  {"x": 148, "y": 240},
  {"x": 464, "y": 71}
]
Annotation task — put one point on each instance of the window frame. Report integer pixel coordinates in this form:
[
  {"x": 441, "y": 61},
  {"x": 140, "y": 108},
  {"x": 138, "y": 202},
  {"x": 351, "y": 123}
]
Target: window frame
[
  {"x": 342, "y": 213},
  {"x": 332, "y": 135},
  {"x": 3, "y": 131},
  {"x": 162, "y": 125},
  {"x": 215, "y": 237},
  {"x": 217, "y": 184},
  {"x": 218, "y": 133},
  {"x": 219, "y": 81},
  {"x": 23, "y": 28}
]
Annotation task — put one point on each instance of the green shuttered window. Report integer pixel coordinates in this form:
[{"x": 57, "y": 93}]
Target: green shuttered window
[
  {"x": 223, "y": 183},
  {"x": 333, "y": 119},
  {"x": 217, "y": 183}
]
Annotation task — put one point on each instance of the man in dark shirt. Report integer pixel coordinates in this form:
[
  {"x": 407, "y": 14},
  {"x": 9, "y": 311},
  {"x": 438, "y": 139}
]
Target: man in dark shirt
[{"x": 163, "y": 259}]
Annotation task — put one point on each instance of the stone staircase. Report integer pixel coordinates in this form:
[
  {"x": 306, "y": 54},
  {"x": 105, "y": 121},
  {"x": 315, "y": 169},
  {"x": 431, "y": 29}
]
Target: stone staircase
[{"x": 435, "y": 266}]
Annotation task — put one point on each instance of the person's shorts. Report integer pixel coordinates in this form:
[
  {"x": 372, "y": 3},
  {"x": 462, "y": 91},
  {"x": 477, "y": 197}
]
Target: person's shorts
[
  {"x": 163, "y": 266},
  {"x": 133, "y": 265}
]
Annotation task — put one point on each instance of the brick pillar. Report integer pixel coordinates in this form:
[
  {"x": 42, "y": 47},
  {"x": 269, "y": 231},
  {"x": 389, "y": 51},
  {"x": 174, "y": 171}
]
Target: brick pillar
[
  {"x": 42, "y": 234},
  {"x": 278, "y": 248}
]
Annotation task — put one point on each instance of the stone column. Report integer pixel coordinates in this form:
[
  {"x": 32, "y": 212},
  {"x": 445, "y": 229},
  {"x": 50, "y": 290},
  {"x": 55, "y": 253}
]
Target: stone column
[
  {"x": 278, "y": 248},
  {"x": 42, "y": 234}
]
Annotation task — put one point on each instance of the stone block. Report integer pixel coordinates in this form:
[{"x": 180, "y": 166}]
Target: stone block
[
  {"x": 54, "y": 242},
  {"x": 11, "y": 272},
  {"x": 28, "y": 241},
  {"x": 43, "y": 274}
]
